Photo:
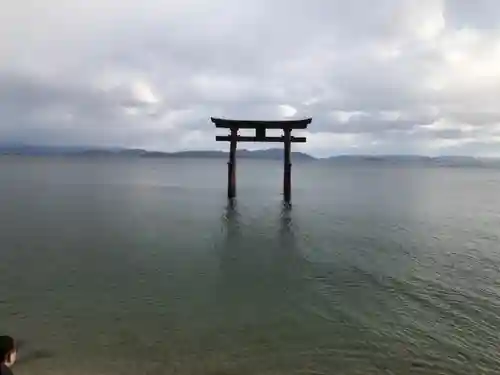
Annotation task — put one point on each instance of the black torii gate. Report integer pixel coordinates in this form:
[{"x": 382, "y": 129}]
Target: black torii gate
[{"x": 260, "y": 136}]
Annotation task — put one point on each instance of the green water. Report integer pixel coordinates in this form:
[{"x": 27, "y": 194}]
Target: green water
[{"x": 118, "y": 266}]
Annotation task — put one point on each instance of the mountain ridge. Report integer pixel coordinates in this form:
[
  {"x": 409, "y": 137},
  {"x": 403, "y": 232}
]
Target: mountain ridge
[
  {"x": 34, "y": 150},
  {"x": 263, "y": 154}
]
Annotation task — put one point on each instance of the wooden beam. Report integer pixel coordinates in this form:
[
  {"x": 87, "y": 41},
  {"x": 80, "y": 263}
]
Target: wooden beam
[
  {"x": 242, "y": 138},
  {"x": 246, "y": 124}
]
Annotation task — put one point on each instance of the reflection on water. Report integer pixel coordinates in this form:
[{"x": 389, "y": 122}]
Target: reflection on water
[
  {"x": 230, "y": 219},
  {"x": 287, "y": 226},
  {"x": 258, "y": 265}
]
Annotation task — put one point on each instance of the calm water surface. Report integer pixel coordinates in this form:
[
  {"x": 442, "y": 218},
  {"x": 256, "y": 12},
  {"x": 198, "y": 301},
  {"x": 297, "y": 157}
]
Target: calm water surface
[{"x": 120, "y": 266}]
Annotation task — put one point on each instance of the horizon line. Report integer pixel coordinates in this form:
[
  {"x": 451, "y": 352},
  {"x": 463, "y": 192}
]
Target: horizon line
[{"x": 81, "y": 148}]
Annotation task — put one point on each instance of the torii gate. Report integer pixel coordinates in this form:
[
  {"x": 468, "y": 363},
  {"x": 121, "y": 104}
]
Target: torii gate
[{"x": 260, "y": 136}]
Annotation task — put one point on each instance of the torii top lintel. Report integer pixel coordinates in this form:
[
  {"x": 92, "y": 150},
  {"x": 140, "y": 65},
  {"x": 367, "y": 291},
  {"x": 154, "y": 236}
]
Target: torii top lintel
[{"x": 249, "y": 124}]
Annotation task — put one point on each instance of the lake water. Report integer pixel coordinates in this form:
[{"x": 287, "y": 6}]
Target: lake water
[{"x": 140, "y": 266}]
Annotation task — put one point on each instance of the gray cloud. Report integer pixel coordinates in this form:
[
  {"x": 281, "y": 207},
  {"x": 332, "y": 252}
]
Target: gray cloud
[{"x": 395, "y": 76}]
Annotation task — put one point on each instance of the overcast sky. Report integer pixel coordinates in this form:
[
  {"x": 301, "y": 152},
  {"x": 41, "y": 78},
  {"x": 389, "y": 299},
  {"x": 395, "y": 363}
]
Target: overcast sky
[{"x": 377, "y": 76}]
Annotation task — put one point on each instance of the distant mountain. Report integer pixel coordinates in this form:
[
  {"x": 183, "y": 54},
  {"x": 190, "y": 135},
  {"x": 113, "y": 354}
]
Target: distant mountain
[
  {"x": 269, "y": 154},
  {"x": 30, "y": 150},
  {"x": 380, "y": 158},
  {"x": 205, "y": 154},
  {"x": 448, "y": 161}
]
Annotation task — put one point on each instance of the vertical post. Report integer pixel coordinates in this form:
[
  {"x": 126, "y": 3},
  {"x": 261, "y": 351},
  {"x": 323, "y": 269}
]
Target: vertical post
[
  {"x": 287, "y": 171},
  {"x": 231, "y": 165}
]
